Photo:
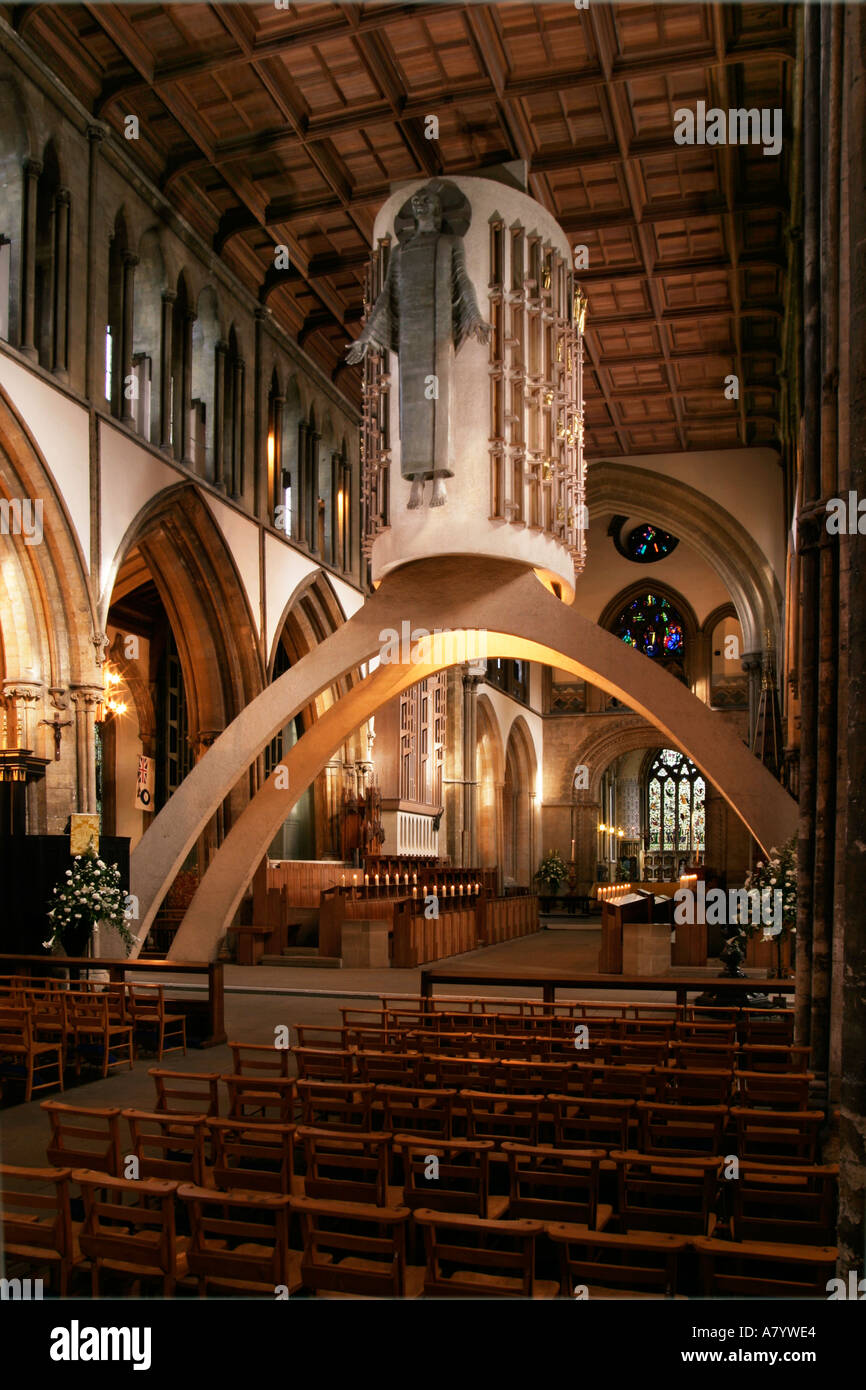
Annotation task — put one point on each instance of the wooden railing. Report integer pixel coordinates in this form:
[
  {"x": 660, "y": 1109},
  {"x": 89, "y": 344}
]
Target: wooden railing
[{"x": 462, "y": 924}]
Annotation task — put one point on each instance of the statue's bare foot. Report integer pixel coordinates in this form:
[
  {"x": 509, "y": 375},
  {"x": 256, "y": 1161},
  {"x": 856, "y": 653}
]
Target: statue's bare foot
[
  {"x": 416, "y": 496},
  {"x": 440, "y": 496}
]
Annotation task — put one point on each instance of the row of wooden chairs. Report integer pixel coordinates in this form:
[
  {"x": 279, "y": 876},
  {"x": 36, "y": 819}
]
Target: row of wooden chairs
[
  {"x": 43, "y": 1032},
  {"x": 670, "y": 1124},
  {"x": 239, "y": 1242},
  {"x": 383, "y": 1168}
]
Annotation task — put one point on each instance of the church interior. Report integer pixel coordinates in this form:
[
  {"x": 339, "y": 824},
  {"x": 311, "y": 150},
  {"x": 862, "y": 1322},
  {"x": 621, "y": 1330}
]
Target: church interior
[{"x": 430, "y": 442}]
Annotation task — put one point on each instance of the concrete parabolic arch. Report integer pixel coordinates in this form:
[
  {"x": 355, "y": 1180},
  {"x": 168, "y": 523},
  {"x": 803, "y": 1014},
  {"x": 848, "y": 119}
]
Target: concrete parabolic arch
[{"x": 520, "y": 618}]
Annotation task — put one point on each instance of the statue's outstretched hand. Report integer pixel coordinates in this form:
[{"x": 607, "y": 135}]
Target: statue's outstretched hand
[
  {"x": 482, "y": 331},
  {"x": 357, "y": 351}
]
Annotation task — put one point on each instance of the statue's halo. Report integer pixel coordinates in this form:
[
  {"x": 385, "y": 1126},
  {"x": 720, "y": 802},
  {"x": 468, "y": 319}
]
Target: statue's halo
[{"x": 456, "y": 212}]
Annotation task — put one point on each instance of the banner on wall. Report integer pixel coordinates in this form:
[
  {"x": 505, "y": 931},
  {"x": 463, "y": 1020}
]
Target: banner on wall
[{"x": 144, "y": 783}]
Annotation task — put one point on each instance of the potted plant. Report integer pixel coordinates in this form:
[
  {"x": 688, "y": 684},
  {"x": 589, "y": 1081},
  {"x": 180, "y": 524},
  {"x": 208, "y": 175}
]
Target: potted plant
[
  {"x": 90, "y": 892},
  {"x": 551, "y": 872},
  {"x": 777, "y": 874}
]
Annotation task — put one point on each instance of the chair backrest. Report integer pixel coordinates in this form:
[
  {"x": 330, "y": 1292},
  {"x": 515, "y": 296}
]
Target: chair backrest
[
  {"x": 774, "y": 1057},
  {"x": 16, "y": 1027},
  {"x": 771, "y": 1026},
  {"x": 764, "y": 1271},
  {"x": 336, "y": 1105},
  {"x": 346, "y": 1167},
  {"x": 458, "y": 1180},
  {"x": 389, "y": 1068},
  {"x": 250, "y": 1059},
  {"x": 261, "y": 1099},
  {"x": 196, "y": 1092},
  {"x": 591, "y": 1122},
  {"x": 718, "y": 1030},
  {"x": 694, "y": 1085},
  {"x": 528, "y": 1077},
  {"x": 554, "y": 1184},
  {"x": 146, "y": 1001},
  {"x": 791, "y": 1205},
  {"x": 631, "y": 1081},
  {"x": 350, "y": 1248},
  {"x": 131, "y": 1222},
  {"x": 84, "y": 1138},
  {"x": 673, "y": 1194},
  {"x": 470, "y": 1257},
  {"x": 459, "y": 1073},
  {"x": 34, "y": 1210},
  {"x": 503, "y": 1117},
  {"x": 680, "y": 1129},
  {"x": 318, "y": 1035},
  {"x": 636, "y": 1262},
  {"x": 324, "y": 1063},
  {"x": 255, "y": 1158},
  {"x": 703, "y": 1056},
  {"x": 776, "y": 1091},
  {"x": 416, "y": 1110},
  {"x": 163, "y": 1149},
  {"x": 777, "y": 1136},
  {"x": 238, "y": 1239}
]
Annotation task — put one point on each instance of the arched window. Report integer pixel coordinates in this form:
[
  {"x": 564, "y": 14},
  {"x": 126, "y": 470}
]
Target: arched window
[
  {"x": 676, "y": 804},
  {"x": 652, "y": 626}
]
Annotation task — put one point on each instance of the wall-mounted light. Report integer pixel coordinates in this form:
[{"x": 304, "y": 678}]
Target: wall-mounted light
[
  {"x": 271, "y": 449},
  {"x": 112, "y": 704}
]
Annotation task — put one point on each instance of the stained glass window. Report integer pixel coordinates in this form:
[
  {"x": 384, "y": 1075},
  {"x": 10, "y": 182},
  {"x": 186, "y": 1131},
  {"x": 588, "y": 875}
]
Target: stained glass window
[
  {"x": 646, "y": 544},
  {"x": 652, "y": 626},
  {"x": 676, "y": 797}
]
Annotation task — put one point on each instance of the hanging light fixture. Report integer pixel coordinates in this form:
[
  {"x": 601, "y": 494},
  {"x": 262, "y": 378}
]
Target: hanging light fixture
[{"x": 112, "y": 704}]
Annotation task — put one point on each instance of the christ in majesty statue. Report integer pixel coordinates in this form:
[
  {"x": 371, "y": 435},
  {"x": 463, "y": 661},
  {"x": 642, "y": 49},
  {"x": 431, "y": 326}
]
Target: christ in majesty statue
[{"x": 426, "y": 311}]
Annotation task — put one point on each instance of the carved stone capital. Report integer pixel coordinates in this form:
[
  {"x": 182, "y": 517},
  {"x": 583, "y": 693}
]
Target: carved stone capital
[
  {"x": 85, "y": 697},
  {"x": 100, "y": 641},
  {"x": 59, "y": 696},
  {"x": 14, "y": 691}
]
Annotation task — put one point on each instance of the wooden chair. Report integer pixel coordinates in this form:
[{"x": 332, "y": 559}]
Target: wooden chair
[
  {"x": 423, "y": 1112},
  {"x": 163, "y": 1151},
  {"x": 458, "y": 1181},
  {"x": 150, "y": 1017},
  {"x": 253, "y": 1158},
  {"x": 321, "y": 1036},
  {"x": 251, "y": 1059},
  {"x": 773, "y": 1090},
  {"x": 693, "y": 1085},
  {"x": 794, "y": 1206},
  {"x": 336, "y": 1105},
  {"x": 239, "y": 1242},
  {"x": 261, "y": 1098},
  {"x": 22, "y": 1058},
  {"x": 718, "y": 1030},
  {"x": 493, "y": 1115},
  {"x": 459, "y": 1073},
  {"x": 607, "y": 1265},
  {"x": 773, "y": 1057},
  {"x": 672, "y": 1194},
  {"x": 99, "y": 1036},
  {"x": 49, "y": 1013},
  {"x": 343, "y": 1167},
  {"x": 556, "y": 1185},
  {"x": 661, "y": 1029},
  {"x": 197, "y": 1095},
  {"x": 515, "y": 1077},
  {"x": 768, "y": 1026},
  {"x": 632, "y": 1082},
  {"x": 683, "y": 1130},
  {"x": 594, "y": 1122},
  {"x": 703, "y": 1056},
  {"x": 755, "y": 1270},
  {"x": 483, "y": 1259},
  {"x": 84, "y": 1137},
  {"x": 629, "y": 1051},
  {"x": 389, "y": 1068},
  {"x": 129, "y": 1228},
  {"x": 324, "y": 1063},
  {"x": 777, "y": 1136},
  {"x": 36, "y": 1221},
  {"x": 356, "y": 1251}
]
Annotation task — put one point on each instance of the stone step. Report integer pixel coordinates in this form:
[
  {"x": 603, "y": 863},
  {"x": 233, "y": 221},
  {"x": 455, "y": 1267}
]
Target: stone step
[
  {"x": 301, "y": 951},
  {"x": 292, "y": 958}
]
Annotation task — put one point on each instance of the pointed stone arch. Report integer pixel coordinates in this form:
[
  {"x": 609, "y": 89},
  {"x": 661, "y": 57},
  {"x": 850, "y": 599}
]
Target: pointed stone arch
[
  {"x": 522, "y": 620},
  {"x": 490, "y": 779},
  {"x": 519, "y": 804}
]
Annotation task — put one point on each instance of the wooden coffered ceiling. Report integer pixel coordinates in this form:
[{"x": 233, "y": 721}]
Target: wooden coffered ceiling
[{"x": 268, "y": 126}]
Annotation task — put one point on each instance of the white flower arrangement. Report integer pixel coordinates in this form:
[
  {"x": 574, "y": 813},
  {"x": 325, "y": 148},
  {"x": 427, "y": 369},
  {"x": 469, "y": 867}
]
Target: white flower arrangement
[
  {"x": 90, "y": 891},
  {"x": 779, "y": 874}
]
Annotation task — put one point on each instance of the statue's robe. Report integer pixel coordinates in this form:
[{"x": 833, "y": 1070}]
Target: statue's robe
[{"x": 426, "y": 310}]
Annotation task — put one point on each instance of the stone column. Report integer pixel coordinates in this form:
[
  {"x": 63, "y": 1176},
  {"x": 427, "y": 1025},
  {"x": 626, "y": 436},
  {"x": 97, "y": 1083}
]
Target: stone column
[
  {"x": 276, "y": 483},
  {"x": 20, "y": 699},
  {"x": 86, "y": 699},
  {"x": 261, "y": 500},
  {"x": 165, "y": 411},
  {"x": 95, "y": 134},
  {"x": 186, "y": 457},
  {"x": 219, "y": 424},
  {"x": 471, "y": 679},
  {"x": 61, "y": 283},
  {"x": 238, "y": 425},
  {"x": 28, "y": 318},
  {"x": 130, "y": 261},
  {"x": 752, "y": 663}
]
